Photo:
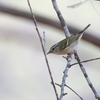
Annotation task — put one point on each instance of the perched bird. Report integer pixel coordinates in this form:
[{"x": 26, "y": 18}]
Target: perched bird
[{"x": 68, "y": 44}]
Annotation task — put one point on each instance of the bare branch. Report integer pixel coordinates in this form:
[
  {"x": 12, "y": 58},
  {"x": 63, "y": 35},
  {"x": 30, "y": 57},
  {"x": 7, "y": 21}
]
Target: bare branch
[
  {"x": 71, "y": 90},
  {"x": 78, "y": 4},
  {"x": 86, "y": 76},
  {"x": 85, "y": 61},
  {"x": 35, "y": 22},
  {"x": 94, "y": 8},
  {"x": 65, "y": 75},
  {"x": 62, "y": 21},
  {"x": 74, "y": 92}
]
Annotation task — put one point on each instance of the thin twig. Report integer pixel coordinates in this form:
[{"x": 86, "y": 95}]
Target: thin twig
[
  {"x": 94, "y": 8},
  {"x": 71, "y": 90},
  {"x": 86, "y": 76},
  {"x": 35, "y": 22},
  {"x": 78, "y": 4},
  {"x": 86, "y": 61},
  {"x": 74, "y": 92}
]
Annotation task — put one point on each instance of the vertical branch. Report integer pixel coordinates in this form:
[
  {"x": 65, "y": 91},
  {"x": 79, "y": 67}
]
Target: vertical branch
[
  {"x": 64, "y": 76},
  {"x": 62, "y": 21},
  {"x": 44, "y": 52},
  {"x": 86, "y": 76},
  {"x": 67, "y": 34}
]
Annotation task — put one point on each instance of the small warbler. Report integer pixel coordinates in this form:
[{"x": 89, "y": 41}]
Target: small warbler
[{"x": 68, "y": 44}]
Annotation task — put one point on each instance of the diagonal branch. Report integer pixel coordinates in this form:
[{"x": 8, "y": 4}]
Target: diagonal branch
[
  {"x": 85, "y": 61},
  {"x": 62, "y": 21},
  {"x": 71, "y": 90},
  {"x": 86, "y": 76},
  {"x": 44, "y": 52},
  {"x": 74, "y": 92},
  {"x": 78, "y": 4}
]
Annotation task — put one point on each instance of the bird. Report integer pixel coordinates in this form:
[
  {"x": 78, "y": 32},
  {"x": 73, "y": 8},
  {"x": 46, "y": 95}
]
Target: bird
[{"x": 67, "y": 45}]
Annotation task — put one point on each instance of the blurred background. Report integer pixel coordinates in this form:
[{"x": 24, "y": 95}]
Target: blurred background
[{"x": 23, "y": 71}]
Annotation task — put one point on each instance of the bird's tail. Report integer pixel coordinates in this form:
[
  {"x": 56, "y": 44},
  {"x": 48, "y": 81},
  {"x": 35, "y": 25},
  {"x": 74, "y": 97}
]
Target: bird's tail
[{"x": 84, "y": 29}]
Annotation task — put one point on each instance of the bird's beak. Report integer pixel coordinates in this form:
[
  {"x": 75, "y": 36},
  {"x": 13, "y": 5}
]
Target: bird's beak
[{"x": 48, "y": 52}]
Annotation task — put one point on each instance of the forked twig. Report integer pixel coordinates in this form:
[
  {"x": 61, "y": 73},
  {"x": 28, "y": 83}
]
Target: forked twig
[
  {"x": 44, "y": 52},
  {"x": 74, "y": 92},
  {"x": 65, "y": 75},
  {"x": 71, "y": 90}
]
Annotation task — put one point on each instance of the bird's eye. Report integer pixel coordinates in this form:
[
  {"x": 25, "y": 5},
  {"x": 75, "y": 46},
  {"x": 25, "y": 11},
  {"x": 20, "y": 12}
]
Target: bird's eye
[{"x": 53, "y": 48}]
